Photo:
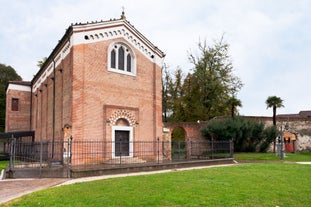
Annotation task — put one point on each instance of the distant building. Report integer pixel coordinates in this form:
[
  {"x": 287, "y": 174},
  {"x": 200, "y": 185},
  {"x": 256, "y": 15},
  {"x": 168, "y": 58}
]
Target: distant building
[{"x": 101, "y": 82}]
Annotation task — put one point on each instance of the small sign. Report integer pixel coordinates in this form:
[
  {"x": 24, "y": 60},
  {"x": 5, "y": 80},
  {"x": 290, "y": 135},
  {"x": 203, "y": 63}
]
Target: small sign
[{"x": 166, "y": 130}]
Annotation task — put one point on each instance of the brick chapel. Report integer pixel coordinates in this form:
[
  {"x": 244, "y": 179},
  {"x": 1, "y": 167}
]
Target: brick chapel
[{"x": 102, "y": 81}]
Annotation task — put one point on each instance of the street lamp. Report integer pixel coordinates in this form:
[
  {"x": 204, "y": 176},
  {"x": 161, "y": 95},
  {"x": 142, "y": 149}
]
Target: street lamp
[{"x": 282, "y": 139}]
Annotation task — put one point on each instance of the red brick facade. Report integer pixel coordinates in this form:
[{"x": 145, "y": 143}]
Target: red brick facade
[{"x": 76, "y": 89}]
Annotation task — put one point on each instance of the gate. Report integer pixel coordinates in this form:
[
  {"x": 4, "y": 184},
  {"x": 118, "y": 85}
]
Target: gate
[
  {"x": 201, "y": 150},
  {"x": 179, "y": 150},
  {"x": 38, "y": 159}
]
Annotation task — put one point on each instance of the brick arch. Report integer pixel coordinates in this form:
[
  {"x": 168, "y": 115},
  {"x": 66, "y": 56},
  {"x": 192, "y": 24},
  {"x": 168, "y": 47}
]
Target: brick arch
[
  {"x": 192, "y": 129},
  {"x": 123, "y": 114}
]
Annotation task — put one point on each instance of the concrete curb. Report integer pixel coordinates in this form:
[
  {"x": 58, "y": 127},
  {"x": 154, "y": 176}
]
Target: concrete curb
[
  {"x": 304, "y": 163},
  {"x": 2, "y": 175},
  {"x": 102, "y": 177}
]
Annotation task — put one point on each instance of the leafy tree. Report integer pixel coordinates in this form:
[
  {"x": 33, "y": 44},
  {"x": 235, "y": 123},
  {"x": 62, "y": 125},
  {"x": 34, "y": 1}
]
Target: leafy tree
[
  {"x": 213, "y": 77},
  {"x": 206, "y": 92},
  {"x": 193, "y": 110},
  {"x": 176, "y": 97},
  {"x": 7, "y": 73},
  {"x": 166, "y": 101},
  {"x": 41, "y": 62}
]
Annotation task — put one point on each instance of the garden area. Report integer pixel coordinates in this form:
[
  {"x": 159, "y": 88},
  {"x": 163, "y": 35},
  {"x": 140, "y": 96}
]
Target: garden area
[{"x": 265, "y": 181}]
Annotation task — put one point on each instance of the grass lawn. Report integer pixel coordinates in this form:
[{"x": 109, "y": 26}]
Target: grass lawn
[
  {"x": 3, "y": 164},
  {"x": 263, "y": 184},
  {"x": 291, "y": 157}
]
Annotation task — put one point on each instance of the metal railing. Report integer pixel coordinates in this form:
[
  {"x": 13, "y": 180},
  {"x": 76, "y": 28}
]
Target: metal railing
[{"x": 60, "y": 158}]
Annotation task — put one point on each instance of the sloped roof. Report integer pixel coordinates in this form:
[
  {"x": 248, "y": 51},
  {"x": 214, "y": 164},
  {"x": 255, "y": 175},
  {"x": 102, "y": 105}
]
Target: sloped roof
[
  {"x": 17, "y": 83},
  {"x": 23, "y": 83}
]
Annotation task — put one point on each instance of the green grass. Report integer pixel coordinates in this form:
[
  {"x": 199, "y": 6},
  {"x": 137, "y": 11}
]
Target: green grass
[
  {"x": 263, "y": 184},
  {"x": 292, "y": 157},
  {"x": 3, "y": 164}
]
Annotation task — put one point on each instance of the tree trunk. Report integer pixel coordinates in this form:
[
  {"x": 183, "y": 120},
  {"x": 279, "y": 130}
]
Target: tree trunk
[{"x": 274, "y": 124}]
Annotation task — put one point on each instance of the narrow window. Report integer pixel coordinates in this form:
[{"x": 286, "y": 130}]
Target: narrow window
[
  {"x": 14, "y": 104},
  {"x": 113, "y": 59},
  {"x": 121, "y": 58},
  {"x": 128, "y": 63}
]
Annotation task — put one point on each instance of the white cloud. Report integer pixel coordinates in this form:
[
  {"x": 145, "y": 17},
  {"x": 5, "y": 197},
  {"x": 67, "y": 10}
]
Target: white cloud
[{"x": 270, "y": 40}]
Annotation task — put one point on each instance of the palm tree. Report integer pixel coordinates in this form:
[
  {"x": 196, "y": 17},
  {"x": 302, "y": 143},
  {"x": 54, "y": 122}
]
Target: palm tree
[
  {"x": 274, "y": 102},
  {"x": 234, "y": 102}
]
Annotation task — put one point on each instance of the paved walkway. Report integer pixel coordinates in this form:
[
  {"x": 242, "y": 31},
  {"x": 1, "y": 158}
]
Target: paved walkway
[{"x": 14, "y": 188}]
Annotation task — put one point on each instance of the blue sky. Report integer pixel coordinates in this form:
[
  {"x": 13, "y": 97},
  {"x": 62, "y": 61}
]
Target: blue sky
[{"x": 270, "y": 41}]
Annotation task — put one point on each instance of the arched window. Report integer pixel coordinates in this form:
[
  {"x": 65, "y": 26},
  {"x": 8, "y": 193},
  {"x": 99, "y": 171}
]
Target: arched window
[
  {"x": 121, "y": 59},
  {"x": 128, "y": 62},
  {"x": 113, "y": 59}
]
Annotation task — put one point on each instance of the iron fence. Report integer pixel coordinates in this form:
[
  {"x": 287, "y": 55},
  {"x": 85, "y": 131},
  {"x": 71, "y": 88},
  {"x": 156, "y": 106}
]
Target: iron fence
[{"x": 61, "y": 158}]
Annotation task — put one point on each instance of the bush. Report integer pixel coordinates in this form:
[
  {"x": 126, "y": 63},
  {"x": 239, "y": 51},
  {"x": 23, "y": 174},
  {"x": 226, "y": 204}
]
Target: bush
[{"x": 247, "y": 135}]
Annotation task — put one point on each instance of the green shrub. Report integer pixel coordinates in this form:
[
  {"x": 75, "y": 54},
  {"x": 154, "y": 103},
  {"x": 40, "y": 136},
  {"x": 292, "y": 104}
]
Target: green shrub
[{"x": 247, "y": 135}]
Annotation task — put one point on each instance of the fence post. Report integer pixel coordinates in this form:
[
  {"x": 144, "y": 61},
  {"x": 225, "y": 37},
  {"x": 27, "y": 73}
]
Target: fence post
[
  {"x": 41, "y": 154},
  {"x": 70, "y": 155},
  {"x": 212, "y": 151},
  {"x": 231, "y": 149},
  {"x": 12, "y": 154},
  {"x": 188, "y": 148},
  {"x": 178, "y": 144},
  {"x": 120, "y": 149},
  {"x": 158, "y": 139}
]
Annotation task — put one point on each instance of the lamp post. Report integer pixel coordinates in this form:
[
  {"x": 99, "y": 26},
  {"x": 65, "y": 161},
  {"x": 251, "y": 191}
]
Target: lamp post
[{"x": 282, "y": 139}]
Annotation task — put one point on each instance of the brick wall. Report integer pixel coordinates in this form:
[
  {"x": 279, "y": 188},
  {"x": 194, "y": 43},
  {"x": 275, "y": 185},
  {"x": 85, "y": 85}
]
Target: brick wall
[
  {"x": 96, "y": 89},
  {"x": 51, "y": 104}
]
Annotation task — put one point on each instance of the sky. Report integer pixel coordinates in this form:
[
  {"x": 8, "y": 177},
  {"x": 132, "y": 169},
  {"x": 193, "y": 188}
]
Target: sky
[{"x": 270, "y": 40}]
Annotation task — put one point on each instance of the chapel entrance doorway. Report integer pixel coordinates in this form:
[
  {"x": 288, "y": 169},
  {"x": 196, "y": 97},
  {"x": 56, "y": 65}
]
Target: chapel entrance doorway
[
  {"x": 122, "y": 143},
  {"x": 122, "y": 138}
]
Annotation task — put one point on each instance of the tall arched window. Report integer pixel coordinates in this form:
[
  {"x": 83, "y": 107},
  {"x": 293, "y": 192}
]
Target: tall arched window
[
  {"x": 121, "y": 59},
  {"x": 113, "y": 58},
  {"x": 128, "y": 62}
]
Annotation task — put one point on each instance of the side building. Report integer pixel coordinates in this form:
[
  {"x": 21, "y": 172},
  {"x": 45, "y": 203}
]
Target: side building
[{"x": 18, "y": 106}]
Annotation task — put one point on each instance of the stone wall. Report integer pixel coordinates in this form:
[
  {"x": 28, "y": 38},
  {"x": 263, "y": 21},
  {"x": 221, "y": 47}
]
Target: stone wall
[{"x": 302, "y": 129}]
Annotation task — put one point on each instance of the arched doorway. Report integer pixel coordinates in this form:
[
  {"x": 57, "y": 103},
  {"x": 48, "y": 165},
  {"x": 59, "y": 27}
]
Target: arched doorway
[
  {"x": 178, "y": 138},
  {"x": 178, "y": 135},
  {"x": 122, "y": 138}
]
